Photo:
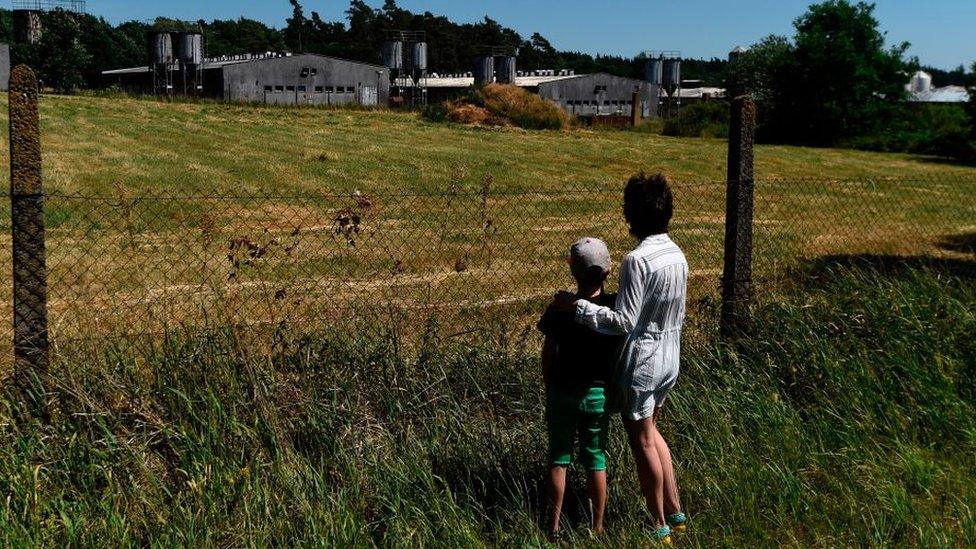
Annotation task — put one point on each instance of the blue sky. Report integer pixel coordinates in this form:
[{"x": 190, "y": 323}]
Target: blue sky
[{"x": 941, "y": 31}]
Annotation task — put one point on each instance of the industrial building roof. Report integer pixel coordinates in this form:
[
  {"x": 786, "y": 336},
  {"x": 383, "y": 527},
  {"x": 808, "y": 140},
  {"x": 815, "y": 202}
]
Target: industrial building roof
[
  {"x": 468, "y": 81},
  {"x": 218, "y": 62},
  {"x": 948, "y": 94}
]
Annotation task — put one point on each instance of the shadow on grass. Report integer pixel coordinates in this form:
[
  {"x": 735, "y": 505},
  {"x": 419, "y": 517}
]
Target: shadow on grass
[
  {"x": 946, "y": 161},
  {"x": 890, "y": 265},
  {"x": 501, "y": 490},
  {"x": 962, "y": 243}
]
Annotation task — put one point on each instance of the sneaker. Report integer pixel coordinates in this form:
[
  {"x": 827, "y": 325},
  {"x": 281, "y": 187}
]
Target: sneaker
[
  {"x": 678, "y": 523},
  {"x": 663, "y": 535}
]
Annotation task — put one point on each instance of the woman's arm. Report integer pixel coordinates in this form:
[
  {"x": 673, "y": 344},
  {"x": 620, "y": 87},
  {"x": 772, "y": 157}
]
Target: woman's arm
[{"x": 622, "y": 319}]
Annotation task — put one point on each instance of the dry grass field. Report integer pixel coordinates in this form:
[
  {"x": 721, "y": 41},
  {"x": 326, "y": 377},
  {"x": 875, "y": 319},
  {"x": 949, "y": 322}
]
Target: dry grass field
[{"x": 168, "y": 214}]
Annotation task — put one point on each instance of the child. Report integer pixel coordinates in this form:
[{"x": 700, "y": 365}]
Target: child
[{"x": 576, "y": 366}]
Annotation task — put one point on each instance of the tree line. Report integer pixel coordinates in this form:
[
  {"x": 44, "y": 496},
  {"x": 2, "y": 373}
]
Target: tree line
[{"x": 75, "y": 48}]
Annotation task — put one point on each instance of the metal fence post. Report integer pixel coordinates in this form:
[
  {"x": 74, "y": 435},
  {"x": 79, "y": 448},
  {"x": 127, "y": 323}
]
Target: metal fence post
[
  {"x": 27, "y": 228},
  {"x": 737, "y": 275}
]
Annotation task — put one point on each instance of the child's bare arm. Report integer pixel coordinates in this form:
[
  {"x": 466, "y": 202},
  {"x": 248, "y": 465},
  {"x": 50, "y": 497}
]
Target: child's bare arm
[{"x": 548, "y": 356}]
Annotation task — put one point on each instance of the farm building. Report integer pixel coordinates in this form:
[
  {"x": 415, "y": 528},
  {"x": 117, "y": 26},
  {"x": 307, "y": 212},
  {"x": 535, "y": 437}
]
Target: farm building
[
  {"x": 304, "y": 79},
  {"x": 920, "y": 90},
  {"x": 584, "y": 95}
]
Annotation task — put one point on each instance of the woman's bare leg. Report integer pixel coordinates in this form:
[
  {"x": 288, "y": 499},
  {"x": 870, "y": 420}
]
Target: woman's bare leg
[
  {"x": 649, "y": 469},
  {"x": 672, "y": 498}
]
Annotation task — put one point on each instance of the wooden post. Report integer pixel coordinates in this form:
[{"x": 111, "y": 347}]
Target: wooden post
[
  {"x": 636, "y": 110},
  {"x": 737, "y": 276},
  {"x": 27, "y": 228}
]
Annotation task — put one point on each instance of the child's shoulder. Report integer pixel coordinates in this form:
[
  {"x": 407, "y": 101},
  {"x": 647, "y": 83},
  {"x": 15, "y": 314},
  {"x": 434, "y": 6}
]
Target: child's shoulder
[{"x": 553, "y": 322}]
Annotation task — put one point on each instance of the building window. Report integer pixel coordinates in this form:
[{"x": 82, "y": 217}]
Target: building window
[
  {"x": 318, "y": 89},
  {"x": 302, "y": 89},
  {"x": 279, "y": 88},
  {"x": 267, "y": 88},
  {"x": 350, "y": 89},
  {"x": 290, "y": 88},
  {"x": 606, "y": 103}
]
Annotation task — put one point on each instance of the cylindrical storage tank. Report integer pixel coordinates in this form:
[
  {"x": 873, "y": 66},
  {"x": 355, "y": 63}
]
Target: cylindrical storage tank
[
  {"x": 189, "y": 48},
  {"x": 418, "y": 54},
  {"x": 672, "y": 73},
  {"x": 160, "y": 48},
  {"x": 507, "y": 70},
  {"x": 393, "y": 54},
  {"x": 921, "y": 82},
  {"x": 654, "y": 71},
  {"x": 484, "y": 70}
]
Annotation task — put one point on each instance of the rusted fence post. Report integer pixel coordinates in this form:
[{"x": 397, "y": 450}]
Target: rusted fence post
[
  {"x": 27, "y": 228},
  {"x": 737, "y": 275},
  {"x": 636, "y": 110}
]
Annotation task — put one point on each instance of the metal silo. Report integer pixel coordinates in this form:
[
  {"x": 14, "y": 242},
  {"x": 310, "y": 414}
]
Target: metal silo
[
  {"x": 418, "y": 55},
  {"x": 189, "y": 48},
  {"x": 654, "y": 71},
  {"x": 484, "y": 70},
  {"x": 672, "y": 74},
  {"x": 393, "y": 54},
  {"x": 160, "y": 48},
  {"x": 507, "y": 70}
]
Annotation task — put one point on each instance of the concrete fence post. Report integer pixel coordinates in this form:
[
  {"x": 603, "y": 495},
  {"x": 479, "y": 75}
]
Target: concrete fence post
[
  {"x": 636, "y": 110},
  {"x": 27, "y": 228},
  {"x": 737, "y": 275}
]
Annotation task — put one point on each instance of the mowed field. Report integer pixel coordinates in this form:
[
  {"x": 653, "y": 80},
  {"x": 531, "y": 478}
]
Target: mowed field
[{"x": 163, "y": 214}]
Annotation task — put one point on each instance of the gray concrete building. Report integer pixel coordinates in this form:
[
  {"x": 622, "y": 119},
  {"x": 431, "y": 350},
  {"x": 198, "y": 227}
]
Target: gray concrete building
[
  {"x": 302, "y": 79},
  {"x": 600, "y": 94},
  {"x": 597, "y": 94}
]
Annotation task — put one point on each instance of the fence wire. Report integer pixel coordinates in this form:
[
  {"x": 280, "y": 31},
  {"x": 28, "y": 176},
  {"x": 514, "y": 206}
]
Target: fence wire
[{"x": 123, "y": 265}]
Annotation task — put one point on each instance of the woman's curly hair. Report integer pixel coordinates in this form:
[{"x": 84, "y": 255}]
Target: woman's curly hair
[{"x": 648, "y": 204}]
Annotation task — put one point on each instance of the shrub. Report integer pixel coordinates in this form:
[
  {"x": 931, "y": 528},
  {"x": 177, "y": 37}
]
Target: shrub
[
  {"x": 938, "y": 130},
  {"x": 706, "y": 119},
  {"x": 523, "y": 109},
  {"x": 501, "y": 105}
]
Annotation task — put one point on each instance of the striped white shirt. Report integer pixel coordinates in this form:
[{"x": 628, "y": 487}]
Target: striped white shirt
[{"x": 650, "y": 311}]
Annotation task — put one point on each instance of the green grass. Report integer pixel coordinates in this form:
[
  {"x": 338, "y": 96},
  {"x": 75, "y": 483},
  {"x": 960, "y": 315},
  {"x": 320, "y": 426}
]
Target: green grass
[{"x": 846, "y": 419}]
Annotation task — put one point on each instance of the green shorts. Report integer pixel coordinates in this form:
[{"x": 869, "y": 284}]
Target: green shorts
[{"x": 572, "y": 414}]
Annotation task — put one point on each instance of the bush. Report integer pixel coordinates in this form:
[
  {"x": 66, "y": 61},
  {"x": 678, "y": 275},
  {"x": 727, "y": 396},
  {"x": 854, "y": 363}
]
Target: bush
[
  {"x": 706, "y": 119},
  {"x": 938, "y": 130},
  {"x": 501, "y": 105},
  {"x": 523, "y": 109}
]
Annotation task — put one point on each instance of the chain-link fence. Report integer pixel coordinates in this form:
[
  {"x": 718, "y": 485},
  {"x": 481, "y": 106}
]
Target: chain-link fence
[{"x": 122, "y": 265}]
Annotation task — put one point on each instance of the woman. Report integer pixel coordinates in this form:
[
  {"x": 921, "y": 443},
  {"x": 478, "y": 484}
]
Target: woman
[{"x": 649, "y": 311}]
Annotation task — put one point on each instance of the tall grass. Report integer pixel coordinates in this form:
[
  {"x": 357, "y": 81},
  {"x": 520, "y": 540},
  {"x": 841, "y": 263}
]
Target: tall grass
[{"x": 846, "y": 418}]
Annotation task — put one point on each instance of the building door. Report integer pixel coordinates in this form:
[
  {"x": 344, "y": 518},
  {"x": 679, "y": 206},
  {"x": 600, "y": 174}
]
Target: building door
[{"x": 368, "y": 96}]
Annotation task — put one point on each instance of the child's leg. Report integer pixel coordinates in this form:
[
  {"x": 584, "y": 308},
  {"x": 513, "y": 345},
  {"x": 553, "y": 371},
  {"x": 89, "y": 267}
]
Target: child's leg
[
  {"x": 557, "y": 490},
  {"x": 560, "y": 422},
  {"x": 593, "y": 429},
  {"x": 596, "y": 487}
]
